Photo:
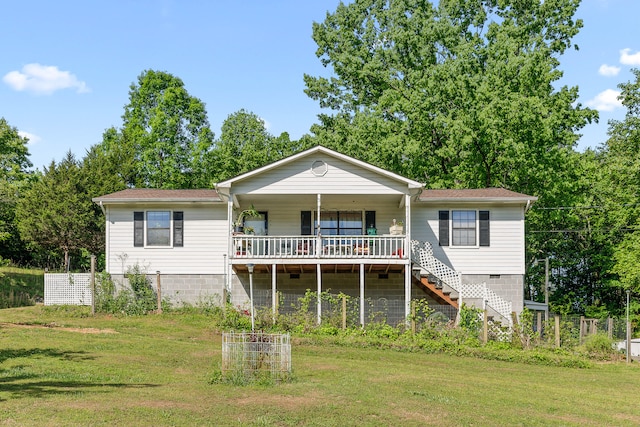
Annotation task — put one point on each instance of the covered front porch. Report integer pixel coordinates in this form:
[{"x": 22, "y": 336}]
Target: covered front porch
[{"x": 364, "y": 282}]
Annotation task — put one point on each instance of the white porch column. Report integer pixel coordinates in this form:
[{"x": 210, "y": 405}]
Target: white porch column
[
  {"x": 230, "y": 249},
  {"x": 319, "y": 279},
  {"x": 362, "y": 294},
  {"x": 407, "y": 253},
  {"x": 274, "y": 297}
]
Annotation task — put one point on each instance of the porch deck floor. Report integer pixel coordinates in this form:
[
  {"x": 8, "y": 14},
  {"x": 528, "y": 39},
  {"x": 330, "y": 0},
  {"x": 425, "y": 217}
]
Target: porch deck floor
[{"x": 291, "y": 268}]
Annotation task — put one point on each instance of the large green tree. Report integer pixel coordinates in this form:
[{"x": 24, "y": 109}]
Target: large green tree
[
  {"x": 619, "y": 186},
  {"x": 14, "y": 174},
  {"x": 465, "y": 94},
  {"x": 165, "y": 133},
  {"x": 245, "y": 144},
  {"x": 56, "y": 213},
  {"x": 459, "y": 95}
]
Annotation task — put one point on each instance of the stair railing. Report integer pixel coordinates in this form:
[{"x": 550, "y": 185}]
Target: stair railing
[{"x": 423, "y": 256}]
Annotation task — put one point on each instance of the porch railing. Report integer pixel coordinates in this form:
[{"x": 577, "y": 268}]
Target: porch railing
[{"x": 250, "y": 246}]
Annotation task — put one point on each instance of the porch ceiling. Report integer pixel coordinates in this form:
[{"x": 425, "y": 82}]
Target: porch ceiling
[
  {"x": 328, "y": 201},
  {"x": 324, "y": 268}
]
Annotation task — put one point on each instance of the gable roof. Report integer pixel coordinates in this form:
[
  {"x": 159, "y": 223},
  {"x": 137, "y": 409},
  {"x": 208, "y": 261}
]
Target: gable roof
[
  {"x": 476, "y": 195},
  {"x": 318, "y": 149},
  {"x": 159, "y": 195}
]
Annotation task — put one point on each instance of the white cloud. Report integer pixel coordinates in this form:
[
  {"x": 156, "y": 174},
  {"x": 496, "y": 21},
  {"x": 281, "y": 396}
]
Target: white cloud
[
  {"x": 33, "y": 139},
  {"x": 628, "y": 58},
  {"x": 606, "y": 101},
  {"x": 43, "y": 80},
  {"x": 265, "y": 123},
  {"x": 608, "y": 70}
]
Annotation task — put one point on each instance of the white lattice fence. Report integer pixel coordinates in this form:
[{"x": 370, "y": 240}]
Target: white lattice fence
[
  {"x": 423, "y": 254},
  {"x": 495, "y": 301},
  {"x": 67, "y": 289}
]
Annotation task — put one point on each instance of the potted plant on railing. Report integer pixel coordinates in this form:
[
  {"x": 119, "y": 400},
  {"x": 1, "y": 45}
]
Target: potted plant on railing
[
  {"x": 238, "y": 226},
  {"x": 397, "y": 228}
]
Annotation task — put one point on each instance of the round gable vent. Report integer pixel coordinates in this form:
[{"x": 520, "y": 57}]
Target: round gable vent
[{"x": 319, "y": 168}]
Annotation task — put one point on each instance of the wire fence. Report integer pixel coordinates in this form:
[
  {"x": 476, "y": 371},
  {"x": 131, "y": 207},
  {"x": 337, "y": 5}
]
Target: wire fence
[
  {"x": 250, "y": 355},
  {"x": 390, "y": 311}
]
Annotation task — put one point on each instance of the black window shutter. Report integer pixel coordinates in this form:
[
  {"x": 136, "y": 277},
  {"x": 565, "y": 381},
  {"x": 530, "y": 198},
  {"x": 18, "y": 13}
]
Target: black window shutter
[
  {"x": 178, "y": 229},
  {"x": 369, "y": 219},
  {"x": 305, "y": 223},
  {"x": 484, "y": 228},
  {"x": 443, "y": 228},
  {"x": 138, "y": 229}
]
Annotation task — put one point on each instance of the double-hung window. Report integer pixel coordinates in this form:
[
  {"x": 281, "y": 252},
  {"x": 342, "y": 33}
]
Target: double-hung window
[
  {"x": 468, "y": 228},
  {"x": 158, "y": 229},
  {"x": 463, "y": 228}
]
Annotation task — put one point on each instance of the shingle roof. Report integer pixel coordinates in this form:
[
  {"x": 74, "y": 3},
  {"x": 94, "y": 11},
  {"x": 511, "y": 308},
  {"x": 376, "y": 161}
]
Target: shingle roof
[
  {"x": 475, "y": 194},
  {"x": 158, "y": 195}
]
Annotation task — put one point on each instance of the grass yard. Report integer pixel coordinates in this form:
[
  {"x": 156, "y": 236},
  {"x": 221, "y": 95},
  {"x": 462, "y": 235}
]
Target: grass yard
[{"x": 57, "y": 368}]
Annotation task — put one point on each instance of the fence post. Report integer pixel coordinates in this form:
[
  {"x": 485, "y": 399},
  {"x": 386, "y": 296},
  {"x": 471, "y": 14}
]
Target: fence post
[
  {"x": 539, "y": 324},
  {"x": 93, "y": 285},
  {"x": 276, "y": 310},
  {"x": 582, "y": 324},
  {"x": 485, "y": 332},
  {"x": 413, "y": 317},
  {"x": 610, "y": 327},
  {"x": 159, "y": 292},
  {"x": 557, "y": 328},
  {"x": 344, "y": 312}
]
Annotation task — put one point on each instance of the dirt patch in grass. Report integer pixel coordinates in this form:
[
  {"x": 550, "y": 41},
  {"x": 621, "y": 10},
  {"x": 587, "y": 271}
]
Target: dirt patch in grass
[
  {"x": 280, "y": 401},
  {"x": 58, "y": 328}
]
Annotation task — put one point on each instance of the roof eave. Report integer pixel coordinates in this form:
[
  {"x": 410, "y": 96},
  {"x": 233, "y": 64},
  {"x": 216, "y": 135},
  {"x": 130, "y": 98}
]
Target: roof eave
[
  {"x": 154, "y": 200},
  {"x": 514, "y": 200}
]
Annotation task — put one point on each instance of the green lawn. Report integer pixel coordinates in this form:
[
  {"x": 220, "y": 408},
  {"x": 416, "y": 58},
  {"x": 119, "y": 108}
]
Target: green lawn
[{"x": 57, "y": 368}]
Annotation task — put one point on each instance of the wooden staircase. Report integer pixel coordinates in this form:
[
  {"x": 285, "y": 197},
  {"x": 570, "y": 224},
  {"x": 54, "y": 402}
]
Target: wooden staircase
[{"x": 435, "y": 290}]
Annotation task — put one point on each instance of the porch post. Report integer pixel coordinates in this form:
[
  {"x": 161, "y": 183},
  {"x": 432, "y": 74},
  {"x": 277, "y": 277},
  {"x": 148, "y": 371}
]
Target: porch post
[
  {"x": 319, "y": 279},
  {"x": 407, "y": 291},
  {"x": 407, "y": 252},
  {"x": 318, "y": 207},
  {"x": 274, "y": 297},
  {"x": 362, "y": 294},
  {"x": 230, "y": 249}
]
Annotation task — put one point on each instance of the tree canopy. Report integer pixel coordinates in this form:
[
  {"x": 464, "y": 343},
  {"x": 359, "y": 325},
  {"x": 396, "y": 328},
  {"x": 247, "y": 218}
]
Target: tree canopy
[
  {"x": 458, "y": 95},
  {"x": 14, "y": 174},
  {"x": 245, "y": 144},
  {"x": 165, "y": 134},
  {"x": 56, "y": 212}
]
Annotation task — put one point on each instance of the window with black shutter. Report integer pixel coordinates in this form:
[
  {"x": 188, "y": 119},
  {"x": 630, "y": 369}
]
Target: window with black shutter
[
  {"x": 156, "y": 228},
  {"x": 138, "y": 229},
  {"x": 443, "y": 228},
  {"x": 178, "y": 229},
  {"x": 305, "y": 223},
  {"x": 484, "y": 228}
]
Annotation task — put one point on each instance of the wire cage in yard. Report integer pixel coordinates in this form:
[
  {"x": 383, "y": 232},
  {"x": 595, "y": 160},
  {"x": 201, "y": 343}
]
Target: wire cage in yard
[{"x": 256, "y": 355}]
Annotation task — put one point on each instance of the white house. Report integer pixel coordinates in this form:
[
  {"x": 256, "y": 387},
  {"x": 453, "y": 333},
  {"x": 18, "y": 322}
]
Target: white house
[{"x": 453, "y": 244}]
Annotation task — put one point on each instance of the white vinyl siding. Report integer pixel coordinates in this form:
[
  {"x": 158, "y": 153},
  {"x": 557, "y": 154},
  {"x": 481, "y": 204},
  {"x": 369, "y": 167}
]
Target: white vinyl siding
[
  {"x": 505, "y": 255},
  {"x": 205, "y": 230},
  {"x": 284, "y": 214},
  {"x": 341, "y": 178}
]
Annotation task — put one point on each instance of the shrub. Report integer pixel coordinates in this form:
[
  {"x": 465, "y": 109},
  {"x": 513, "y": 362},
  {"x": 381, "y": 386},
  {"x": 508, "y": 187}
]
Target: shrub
[
  {"x": 600, "y": 346},
  {"x": 138, "y": 298}
]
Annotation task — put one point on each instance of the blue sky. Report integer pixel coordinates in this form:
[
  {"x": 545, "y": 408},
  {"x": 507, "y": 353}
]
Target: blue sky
[{"x": 67, "y": 65}]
